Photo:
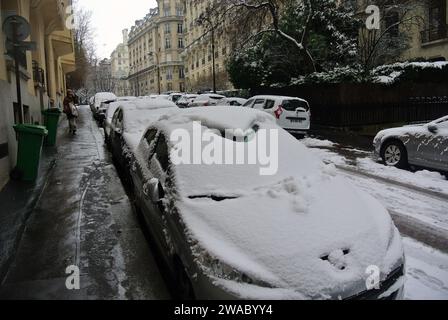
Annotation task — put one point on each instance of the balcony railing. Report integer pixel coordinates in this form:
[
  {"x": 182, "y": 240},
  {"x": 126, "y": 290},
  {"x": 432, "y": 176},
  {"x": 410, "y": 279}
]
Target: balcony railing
[{"x": 435, "y": 33}]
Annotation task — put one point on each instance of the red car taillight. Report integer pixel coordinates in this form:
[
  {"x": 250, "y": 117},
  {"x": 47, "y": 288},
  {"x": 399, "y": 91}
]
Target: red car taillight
[{"x": 278, "y": 112}]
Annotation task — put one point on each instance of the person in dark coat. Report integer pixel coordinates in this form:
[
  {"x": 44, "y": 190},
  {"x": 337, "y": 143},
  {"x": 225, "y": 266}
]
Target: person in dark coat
[{"x": 71, "y": 111}]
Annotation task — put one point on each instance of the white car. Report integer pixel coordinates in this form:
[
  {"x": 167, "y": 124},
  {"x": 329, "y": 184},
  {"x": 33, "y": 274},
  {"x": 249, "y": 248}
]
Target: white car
[
  {"x": 227, "y": 232},
  {"x": 100, "y": 98},
  {"x": 109, "y": 113},
  {"x": 175, "y": 96},
  {"x": 237, "y": 102},
  {"x": 129, "y": 122},
  {"x": 424, "y": 145},
  {"x": 207, "y": 100},
  {"x": 292, "y": 114},
  {"x": 186, "y": 100}
]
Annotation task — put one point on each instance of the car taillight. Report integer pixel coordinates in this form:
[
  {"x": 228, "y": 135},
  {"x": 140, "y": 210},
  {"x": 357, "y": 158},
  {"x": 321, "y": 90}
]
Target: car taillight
[{"x": 278, "y": 112}]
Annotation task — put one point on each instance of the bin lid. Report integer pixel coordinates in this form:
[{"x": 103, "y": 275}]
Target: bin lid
[
  {"x": 52, "y": 111},
  {"x": 32, "y": 129}
]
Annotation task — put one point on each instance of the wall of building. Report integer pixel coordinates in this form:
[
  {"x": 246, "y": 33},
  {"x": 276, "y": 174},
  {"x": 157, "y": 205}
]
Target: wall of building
[
  {"x": 54, "y": 54},
  {"x": 430, "y": 50}
]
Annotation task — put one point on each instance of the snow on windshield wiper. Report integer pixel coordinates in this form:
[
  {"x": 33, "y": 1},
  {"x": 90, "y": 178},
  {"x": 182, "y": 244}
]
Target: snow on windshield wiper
[{"x": 213, "y": 197}]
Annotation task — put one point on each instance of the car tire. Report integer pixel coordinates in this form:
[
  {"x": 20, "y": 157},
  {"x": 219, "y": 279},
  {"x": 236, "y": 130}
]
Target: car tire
[
  {"x": 184, "y": 288},
  {"x": 394, "y": 154}
]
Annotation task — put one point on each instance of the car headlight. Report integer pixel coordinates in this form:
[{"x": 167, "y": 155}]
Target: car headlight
[{"x": 218, "y": 269}]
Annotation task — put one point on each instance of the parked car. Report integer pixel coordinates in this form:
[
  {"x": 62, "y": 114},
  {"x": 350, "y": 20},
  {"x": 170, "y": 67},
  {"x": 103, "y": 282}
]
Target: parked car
[
  {"x": 423, "y": 145},
  {"x": 175, "y": 96},
  {"x": 99, "y": 98},
  {"x": 100, "y": 113},
  {"x": 206, "y": 100},
  {"x": 128, "y": 124},
  {"x": 237, "y": 102},
  {"x": 227, "y": 232},
  {"x": 293, "y": 114},
  {"x": 186, "y": 100},
  {"x": 107, "y": 123}
]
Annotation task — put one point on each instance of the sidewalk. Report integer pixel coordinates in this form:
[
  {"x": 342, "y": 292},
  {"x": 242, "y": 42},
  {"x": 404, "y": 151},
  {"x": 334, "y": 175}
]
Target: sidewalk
[{"x": 83, "y": 217}]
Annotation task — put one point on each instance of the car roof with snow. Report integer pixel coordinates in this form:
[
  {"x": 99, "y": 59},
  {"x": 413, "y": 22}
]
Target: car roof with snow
[
  {"x": 273, "y": 97},
  {"x": 139, "y": 114}
]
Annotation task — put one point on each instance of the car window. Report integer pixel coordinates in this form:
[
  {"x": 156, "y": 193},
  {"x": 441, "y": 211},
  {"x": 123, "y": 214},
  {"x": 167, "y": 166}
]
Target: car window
[
  {"x": 259, "y": 103},
  {"x": 248, "y": 103},
  {"x": 270, "y": 104},
  {"x": 162, "y": 153},
  {"x": 151, "y": 136},
  {"x": 293, "y": 105}
]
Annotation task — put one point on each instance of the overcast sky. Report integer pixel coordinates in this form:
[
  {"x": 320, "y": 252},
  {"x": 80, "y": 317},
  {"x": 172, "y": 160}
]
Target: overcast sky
[{"x": 109, "y": 17}]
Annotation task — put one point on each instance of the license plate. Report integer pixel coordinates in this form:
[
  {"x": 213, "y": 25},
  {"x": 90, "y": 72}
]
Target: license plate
[{"x": 296, "y": 120}]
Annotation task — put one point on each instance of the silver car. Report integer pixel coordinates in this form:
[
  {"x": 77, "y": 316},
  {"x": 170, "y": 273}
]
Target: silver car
[{"x": 418, "y": 145}]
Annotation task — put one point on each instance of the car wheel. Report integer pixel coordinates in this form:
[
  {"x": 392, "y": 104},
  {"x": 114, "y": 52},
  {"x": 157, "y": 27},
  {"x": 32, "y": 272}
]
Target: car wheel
[
  {"x": 184, "y": 288},
  {"x": 394, "y": 154}
]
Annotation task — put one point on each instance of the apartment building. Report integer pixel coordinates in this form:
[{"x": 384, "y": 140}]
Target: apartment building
[
  {"x": 422, "y": 23},
  {"x": 198, "y": 56},
  {"x": 42, "y": 71},
  {"x": 429, "y": 39},
  {"x": 155, "y": 43},
  {"x": 120, "y": 66}
]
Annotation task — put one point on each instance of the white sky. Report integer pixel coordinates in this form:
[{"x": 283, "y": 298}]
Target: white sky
[{"x": 110, "y": 17}]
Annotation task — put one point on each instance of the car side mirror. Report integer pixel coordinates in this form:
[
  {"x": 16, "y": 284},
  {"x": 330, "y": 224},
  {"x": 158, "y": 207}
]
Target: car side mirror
[{"x": 433, "y": 128}]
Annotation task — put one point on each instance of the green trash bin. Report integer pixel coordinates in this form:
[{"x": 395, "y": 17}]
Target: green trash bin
[
  {"x": 51, "y": 123},
  {"x": 31, "y": 139}
]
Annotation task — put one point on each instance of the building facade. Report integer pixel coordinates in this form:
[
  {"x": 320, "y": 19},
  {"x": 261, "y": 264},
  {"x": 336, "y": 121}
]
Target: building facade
[
  {"x": 155, "y": 43},
  {"x": 120, "y": 66},
  {"x": 429, "y": 39},
  {"x": 197, "y": 56},
  {"x": 42, "y": 71}
]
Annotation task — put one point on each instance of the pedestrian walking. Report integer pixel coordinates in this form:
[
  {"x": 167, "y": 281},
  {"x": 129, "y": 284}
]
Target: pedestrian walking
[{"x": 71, "y": 110}]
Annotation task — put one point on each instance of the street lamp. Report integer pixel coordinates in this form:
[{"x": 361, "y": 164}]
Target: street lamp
[
  {"x": 205, "y": 18},
  {"x": 156, "y": 55}
]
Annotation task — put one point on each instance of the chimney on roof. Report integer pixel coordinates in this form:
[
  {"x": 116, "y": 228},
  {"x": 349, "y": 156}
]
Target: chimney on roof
[{"x": 125, "y": 36}]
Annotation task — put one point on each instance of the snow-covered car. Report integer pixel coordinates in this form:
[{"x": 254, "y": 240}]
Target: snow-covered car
[
  {"x": 424, "y": 145},
  {"x": 186, "y": 100},
  {"x": 293, "y": 114},
  {"x": 227, "y": 232},
  {"x": 207, "y": 100},
  {"x": 175, "y": 96},
  {"x": 109, "y": 113},
  {"x": 129, "y": 122},
  {"x": 237, "y": 102},
  {"x": 101, "y": 97}
]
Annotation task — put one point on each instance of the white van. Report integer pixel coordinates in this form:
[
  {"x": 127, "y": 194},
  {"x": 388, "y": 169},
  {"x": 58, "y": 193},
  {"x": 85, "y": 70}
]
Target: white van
[{"x": 293, "y": 114}]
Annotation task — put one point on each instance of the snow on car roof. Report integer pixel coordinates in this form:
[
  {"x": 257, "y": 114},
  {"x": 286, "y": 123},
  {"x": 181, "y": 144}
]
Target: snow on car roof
[
  {"x": 277, "y": 97},
  {"x": 105, "y": 96},
  {"x": 139, "y": 114}
]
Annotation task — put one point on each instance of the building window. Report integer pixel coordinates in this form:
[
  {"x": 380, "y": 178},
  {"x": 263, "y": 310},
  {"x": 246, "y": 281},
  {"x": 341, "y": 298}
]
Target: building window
[
  {"x": 392, "y": 22},
  {"x": 180, "y": 28},
  {"x": 167, "y": 43},
  {"x": 180, "y": 43},
  {"x": 169, "y": 74},
  {"x": 167, "y": 28},
  {"x": 170, "y": 86},
  {"x": 179, "y": 11},
  {"x": 166, "y": 11},
  {"x": 181, "y": 73}
]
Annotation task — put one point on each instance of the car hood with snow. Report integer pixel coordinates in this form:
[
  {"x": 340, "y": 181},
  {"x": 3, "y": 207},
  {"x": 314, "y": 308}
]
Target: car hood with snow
[{"x": 302, "y": 233}]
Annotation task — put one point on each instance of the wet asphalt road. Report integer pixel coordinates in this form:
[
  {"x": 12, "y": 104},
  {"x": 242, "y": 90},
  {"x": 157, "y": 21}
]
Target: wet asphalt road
[{"x": 84, "y": 218}]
